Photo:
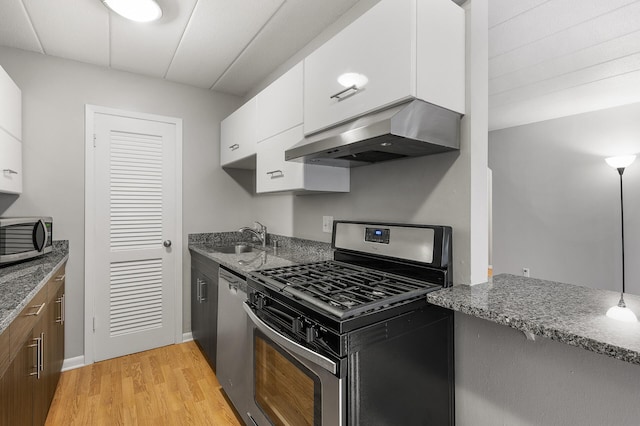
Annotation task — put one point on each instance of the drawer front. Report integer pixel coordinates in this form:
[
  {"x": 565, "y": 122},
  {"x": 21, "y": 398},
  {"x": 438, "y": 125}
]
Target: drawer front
[
  {"x": 10, "y": 164},
  {"x": 379, "y": 45},
  {"x": 21, "y": 327},
  {"x": 273, "y": 173}
]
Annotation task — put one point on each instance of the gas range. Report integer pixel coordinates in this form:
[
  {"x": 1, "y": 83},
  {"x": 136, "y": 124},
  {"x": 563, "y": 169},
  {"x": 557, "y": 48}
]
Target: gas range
[{"x": 357, "y": 326}]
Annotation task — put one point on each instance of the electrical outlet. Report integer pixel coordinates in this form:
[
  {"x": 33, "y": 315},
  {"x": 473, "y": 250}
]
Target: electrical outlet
[
  {"x": 526, "y": 272},
  {"x": 327, "y": 224}
]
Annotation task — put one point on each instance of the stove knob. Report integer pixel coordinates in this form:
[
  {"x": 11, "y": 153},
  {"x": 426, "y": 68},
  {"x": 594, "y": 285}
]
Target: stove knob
[
  {"x": 297, "y": 325},
  {"x": 312, "y": 333}
]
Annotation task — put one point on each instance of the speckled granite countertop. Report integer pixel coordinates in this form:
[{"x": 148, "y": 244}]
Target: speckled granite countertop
[
  {"x": 290, "y": 251},
  {"x": 564, "y": 312},
  {"x": 20, "y": 282}
]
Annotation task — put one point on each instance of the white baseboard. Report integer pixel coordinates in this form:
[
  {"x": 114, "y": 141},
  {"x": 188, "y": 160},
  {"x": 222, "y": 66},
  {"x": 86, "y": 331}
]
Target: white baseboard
[
  {"x": 72, "y": 363},
  {"x": 187, "y": 337}
]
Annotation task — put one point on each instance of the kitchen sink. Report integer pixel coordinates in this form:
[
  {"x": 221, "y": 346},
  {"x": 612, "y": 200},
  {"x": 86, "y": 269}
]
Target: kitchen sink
[{"x": 236, "y": 248}]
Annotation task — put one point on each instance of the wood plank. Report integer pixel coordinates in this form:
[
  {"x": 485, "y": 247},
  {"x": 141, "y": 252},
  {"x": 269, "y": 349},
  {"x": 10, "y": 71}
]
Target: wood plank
[{"x": 172, "y": 385}]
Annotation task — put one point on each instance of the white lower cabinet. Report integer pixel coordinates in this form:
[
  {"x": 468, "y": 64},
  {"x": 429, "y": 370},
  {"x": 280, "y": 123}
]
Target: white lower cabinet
[
  {"x": 10, "y": 164},
  {"x": 274, "y": 174}
]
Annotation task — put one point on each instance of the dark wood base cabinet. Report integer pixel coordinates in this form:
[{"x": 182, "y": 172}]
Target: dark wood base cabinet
[{"x": 35, "y": 356}]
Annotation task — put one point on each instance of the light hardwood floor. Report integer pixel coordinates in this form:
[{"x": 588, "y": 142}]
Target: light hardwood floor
[{"x": 172, "y": 385}]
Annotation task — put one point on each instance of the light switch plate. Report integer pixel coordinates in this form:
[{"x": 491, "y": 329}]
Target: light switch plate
[{"x": 327, "y": 224}]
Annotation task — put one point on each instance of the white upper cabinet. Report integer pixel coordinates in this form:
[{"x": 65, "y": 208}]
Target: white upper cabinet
[
  {"x": 10, "y": 164},
  {"x": 398, "y": 50},
  {"x": 280, "y": 104},
  {"x": 274, "y": 174},
  {"x": 10, "y": 106},
  {"x": 10, "y": 135},
  {"x": 238, "y": 137}
]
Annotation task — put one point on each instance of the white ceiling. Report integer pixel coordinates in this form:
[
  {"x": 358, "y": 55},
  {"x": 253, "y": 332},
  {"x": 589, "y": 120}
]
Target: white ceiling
[
  {"x": 553, "y": 58},
  {"x": 224, "y": 45},
  {"x": 547, "y": 58}
]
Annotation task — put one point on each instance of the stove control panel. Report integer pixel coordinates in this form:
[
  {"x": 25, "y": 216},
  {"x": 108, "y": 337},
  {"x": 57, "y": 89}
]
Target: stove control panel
[{"x": 377, "y": 235}]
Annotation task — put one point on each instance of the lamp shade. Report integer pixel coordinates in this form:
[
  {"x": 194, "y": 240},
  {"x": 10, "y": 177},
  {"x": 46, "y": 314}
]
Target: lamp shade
[
  {"x": 135, "y": 10},
  {"x": 620, "y": 162},
  {"x": 621, "y": 314}
]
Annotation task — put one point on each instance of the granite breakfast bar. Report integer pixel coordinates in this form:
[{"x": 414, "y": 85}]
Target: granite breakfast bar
[{"x": 566, "y": 313}]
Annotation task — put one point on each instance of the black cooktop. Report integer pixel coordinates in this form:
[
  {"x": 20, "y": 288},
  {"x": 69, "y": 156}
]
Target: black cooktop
[{"x": 341, "y": 289}]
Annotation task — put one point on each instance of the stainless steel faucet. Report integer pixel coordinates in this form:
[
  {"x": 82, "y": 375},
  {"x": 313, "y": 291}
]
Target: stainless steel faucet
[{"x": 260, "y": 234}]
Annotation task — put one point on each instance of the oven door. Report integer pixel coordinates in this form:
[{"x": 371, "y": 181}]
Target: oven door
[{"x": 291, "y": 385}]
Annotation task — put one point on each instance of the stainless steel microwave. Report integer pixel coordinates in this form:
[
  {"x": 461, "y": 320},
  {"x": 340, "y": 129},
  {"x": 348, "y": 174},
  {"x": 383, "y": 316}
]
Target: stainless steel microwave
[{"x": 22, "y": 238}]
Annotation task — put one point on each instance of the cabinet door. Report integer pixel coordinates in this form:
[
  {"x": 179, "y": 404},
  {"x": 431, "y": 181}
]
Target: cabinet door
[
  {"x": 210, "y": 315},
  {"x": 10, "y": 106},
  {"x": 10, "y": 164},
  {"x": 379, "y": 45},
  {"x": 40, "y": 388},
  {"x": 5, "y": 397},
  {"x": 238, "y": 137},
  {"x": 196, "y": 306},
  {"x": 279, "y": 106},
  {"x": 54, "y": 337},
  {"x": 273, "y": 173},
  {"x": 22, "y": 383}
]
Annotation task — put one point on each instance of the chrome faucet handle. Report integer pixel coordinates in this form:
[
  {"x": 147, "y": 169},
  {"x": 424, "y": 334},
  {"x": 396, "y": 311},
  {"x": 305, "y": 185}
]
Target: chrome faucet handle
[{"x": 262, "y": 227}]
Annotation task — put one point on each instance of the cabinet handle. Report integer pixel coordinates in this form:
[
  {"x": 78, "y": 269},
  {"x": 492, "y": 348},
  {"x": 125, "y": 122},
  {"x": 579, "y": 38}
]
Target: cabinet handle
[
  {"x": 343, "y": 93},
  {"x": 63, "y": 308},
  {"x": 41, "y": 362},
  {"x": 234, "y": 147},
  {"x": 61, "y": 277},
  {"x": 35, "y": 314},
  {"x": 276, "y": 174},
  {"x": 38, "y": 346},
  {"x": 60, "y": 301},
  {"x": 198, "y": 296},
  {"x": 10, "y": 171}
]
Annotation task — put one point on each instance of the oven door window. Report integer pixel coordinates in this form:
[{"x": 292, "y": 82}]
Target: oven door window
[{"x": 286, "y": 391}]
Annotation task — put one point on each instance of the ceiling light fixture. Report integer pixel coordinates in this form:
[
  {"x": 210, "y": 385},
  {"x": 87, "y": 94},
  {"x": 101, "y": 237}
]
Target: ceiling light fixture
[
  {"x": 620, "y": 312},
  {"x": 135, "y": 10}
]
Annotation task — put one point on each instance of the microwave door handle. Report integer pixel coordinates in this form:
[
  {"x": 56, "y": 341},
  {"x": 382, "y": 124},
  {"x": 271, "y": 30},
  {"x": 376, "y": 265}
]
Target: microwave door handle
[{"x": 290, "y": 345}]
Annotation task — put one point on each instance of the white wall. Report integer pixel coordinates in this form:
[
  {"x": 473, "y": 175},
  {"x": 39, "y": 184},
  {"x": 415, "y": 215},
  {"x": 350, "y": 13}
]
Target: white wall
[
  {"x": 556, "y": 203},
  {"x": 54, "y": 93},
  {"x": 504, "y": 379}
]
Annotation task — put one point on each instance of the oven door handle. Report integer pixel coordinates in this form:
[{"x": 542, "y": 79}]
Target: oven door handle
[{"x": 290, "y": 345}]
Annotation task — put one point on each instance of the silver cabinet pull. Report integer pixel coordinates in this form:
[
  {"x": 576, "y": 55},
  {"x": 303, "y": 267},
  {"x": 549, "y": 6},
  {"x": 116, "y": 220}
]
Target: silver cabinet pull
[
  {"x": 198, "y": 296},
  {"x": 234, "y": 147},
  {"x": 61, "y": 277},
  {"x": 41, "y": 360},
  {"x": 10, "y": 171},
  {"x": 38, "y": 346},
  {"x": 343, "y": 94},
  {"x": 275, "y": 174},
  {"x": 167, "y": 243},
  {"x": 59, "y": 302},
  {"x": 35, "y": 314},
  {"x": 63, "y": 307}
]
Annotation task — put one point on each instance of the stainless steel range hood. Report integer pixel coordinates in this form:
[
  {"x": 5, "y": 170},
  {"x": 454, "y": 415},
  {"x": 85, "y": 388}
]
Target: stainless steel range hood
[{"x": 410, "y": 129}]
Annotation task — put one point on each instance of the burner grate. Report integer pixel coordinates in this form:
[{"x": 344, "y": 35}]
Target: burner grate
[{"x": 342, "y": 289}]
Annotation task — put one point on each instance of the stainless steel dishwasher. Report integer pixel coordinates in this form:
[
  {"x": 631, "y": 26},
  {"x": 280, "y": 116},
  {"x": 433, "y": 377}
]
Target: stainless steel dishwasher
[{"x": 232, "y": 360}]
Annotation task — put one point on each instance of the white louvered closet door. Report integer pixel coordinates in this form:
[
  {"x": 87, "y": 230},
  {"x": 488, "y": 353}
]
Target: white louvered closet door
[{"x": 135, "y": 214}]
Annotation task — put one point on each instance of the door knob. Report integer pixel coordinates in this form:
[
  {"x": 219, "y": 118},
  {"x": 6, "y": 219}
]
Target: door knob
[{"x": 167, "y": 243}]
